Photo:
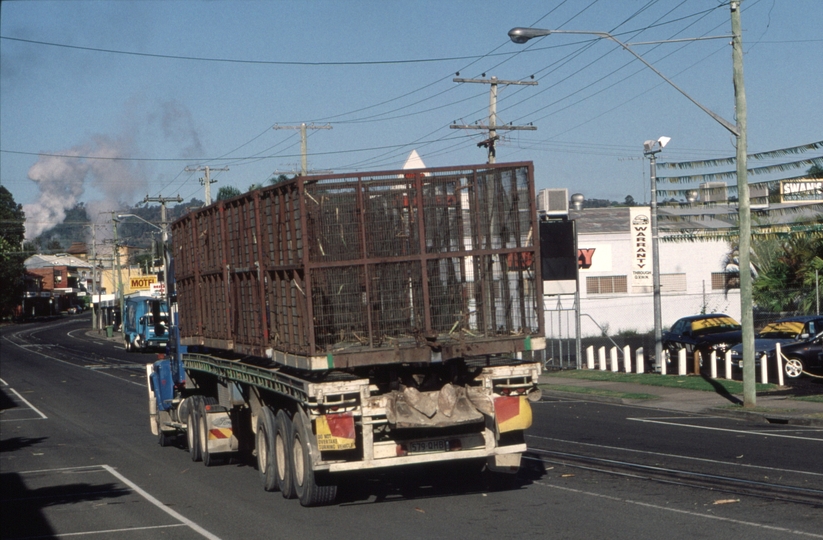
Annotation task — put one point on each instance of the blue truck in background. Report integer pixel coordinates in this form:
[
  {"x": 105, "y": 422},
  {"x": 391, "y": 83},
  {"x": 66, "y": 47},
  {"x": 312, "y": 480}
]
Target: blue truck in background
[{"x": 145, "y": 323}]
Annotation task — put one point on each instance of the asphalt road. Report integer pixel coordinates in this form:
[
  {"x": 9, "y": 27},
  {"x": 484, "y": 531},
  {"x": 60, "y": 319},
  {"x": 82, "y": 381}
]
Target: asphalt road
[{"x": 78, "y": 460}]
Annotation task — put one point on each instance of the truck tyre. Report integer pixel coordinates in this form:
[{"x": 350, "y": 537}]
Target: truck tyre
[
  {"x": 192, "y": 438},
  {"x": 127, "y": 344},
  {"x": 266, "y": 456},
  {"x": 311, "y": 488},
  {"x": 203, "y": 432},
  {"x": 282, "y": 455}
]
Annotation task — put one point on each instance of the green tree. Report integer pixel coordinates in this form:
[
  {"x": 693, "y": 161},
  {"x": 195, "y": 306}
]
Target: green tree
[
  {"x": 786, "y": 276},
  {"x": 227, "y": 192},
  {"x": 12, "y": 270}
]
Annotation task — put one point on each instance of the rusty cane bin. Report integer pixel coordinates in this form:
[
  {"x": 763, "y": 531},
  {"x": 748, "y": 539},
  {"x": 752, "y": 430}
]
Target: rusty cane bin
[{"x": 323, "y": 272}]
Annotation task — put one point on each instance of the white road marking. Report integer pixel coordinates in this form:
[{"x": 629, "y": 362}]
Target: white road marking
[
  {"x": 32, "y": 407},
  {"x": 679, "y": 511},
  {"x": 140, "y": 384},
  {"x": 742, "y": 431},
  {"x": 192, "y": 525},
  {"x": 689, "y": 458},
  {"x": 184, "y": 521},
  {"x": 128, "y": 529}
]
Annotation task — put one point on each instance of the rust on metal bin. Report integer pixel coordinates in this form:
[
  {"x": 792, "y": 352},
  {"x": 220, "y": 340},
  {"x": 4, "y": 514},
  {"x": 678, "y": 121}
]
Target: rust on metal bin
[{"x": 367, "y": 268}]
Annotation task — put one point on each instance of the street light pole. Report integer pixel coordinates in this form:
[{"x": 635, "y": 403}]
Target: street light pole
[
  {"x": 522, "y": 35},
  {"x": 163, "y": 232},
  {"x": 650, "y": 150}
]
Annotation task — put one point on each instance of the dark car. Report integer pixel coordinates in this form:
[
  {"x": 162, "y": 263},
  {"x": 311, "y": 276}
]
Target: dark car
[
  {"x": 705, "y": 333},
  {"x": 795, "y": 334},
  {"x": 806, "y": 355}
]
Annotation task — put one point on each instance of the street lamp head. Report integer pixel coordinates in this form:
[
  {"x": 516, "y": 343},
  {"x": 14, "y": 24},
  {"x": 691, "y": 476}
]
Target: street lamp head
[
  {"x": 522, "y": 35},
  {"x": 652, "y": 146}
]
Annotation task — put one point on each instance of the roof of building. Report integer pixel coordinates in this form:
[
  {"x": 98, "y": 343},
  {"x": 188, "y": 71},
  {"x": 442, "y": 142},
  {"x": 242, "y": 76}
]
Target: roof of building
[
  {"x": 77, "y": 248},
  {"x": 692, "y": 217},
  {"x": 50, "y": 261}
]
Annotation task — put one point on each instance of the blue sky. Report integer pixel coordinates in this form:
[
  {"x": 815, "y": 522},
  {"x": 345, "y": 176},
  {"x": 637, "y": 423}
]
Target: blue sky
[{"x": 161, "y": 86}]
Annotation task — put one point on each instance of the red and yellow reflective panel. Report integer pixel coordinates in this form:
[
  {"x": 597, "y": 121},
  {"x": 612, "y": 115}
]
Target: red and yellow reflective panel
[
  {"x": 219, "y": 433},
  {"x": 335, "y": 432},
  {"x": 512, "y": 413}
]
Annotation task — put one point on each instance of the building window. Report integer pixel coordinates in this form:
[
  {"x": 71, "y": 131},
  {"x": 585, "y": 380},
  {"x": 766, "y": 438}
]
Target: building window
[
  {"x": 722, "y": 281},
  {"x": 672, "y": 282},
  {"x": 606, "y": 284}
]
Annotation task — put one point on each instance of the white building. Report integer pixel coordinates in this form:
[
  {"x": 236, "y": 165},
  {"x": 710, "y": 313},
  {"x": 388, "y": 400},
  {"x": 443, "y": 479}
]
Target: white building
[{"x": 615, "y": 273}]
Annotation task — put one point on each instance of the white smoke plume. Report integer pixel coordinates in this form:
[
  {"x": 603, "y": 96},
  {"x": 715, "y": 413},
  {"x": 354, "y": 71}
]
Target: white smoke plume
[
  {"x": 63, "y": 177},
  {"x": 101, "y": 170}
]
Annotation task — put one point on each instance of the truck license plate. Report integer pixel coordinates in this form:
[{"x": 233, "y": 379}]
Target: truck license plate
[{"x": 420, "y": 447}]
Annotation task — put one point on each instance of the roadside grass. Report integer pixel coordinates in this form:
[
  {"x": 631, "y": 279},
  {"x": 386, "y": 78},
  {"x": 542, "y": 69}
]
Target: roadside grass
[
  {"x": 598, "y": 392},
  {"x": 689, "y": 382},
  {"x": 813, "y": 399}
]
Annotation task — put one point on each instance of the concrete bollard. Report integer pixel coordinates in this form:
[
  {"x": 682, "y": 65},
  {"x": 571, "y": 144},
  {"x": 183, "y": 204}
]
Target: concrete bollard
[
  {"x": 779, "y": 355},
  {"x": 713, "y": 366},
  {"x": 664, "y": 361},
  {"x": 729, "y": 365},
  {"x": 601, "y": 358},
  {"x": 590, "y": 357},
  {"x": 627, "y": 359},
  {"x": 613, "y": 358},
  {"x": 639, "y": 363},
  {"x": 681, "y": 361},
  {"x": 764, "y": 369}
]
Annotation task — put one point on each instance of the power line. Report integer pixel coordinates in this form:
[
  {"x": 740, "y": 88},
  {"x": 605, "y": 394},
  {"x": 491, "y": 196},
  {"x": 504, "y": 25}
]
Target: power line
[{"x": 254, "y": 62}]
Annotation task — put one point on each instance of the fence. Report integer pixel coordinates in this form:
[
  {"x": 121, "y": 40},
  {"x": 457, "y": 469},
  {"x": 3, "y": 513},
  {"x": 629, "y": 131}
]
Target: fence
[{"x": 627, "y": 320}]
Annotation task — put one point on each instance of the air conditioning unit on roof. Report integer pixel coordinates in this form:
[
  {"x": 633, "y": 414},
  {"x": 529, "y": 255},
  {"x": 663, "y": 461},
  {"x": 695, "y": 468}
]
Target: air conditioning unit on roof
[
  {"x": 553, "y": 202},
  {"x": 715, "y": 192}
]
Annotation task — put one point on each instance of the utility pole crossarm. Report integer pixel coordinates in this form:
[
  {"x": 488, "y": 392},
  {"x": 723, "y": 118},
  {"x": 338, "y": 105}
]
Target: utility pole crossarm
[
  {"x": 492, "y": 127},
  {"x": 304, "y": 165},
  {"x": 206, "y": 181}
]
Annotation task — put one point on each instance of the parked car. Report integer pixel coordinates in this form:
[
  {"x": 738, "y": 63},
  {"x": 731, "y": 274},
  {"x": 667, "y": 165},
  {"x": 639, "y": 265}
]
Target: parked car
[
  {"x": 796, "y": 335},
  {"x": 705, "y": 333},
  {"x": 806, "y": 355}
]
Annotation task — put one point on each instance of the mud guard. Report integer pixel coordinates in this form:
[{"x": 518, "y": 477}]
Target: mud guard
[{"x": 163, "y": 384}]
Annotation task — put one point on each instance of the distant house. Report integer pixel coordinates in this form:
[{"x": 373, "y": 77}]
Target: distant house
[{"x": 66, "y": 279}]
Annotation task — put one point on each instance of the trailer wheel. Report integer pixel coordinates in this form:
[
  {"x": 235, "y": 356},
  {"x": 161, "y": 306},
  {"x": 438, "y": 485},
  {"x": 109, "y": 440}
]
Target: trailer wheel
[
  {"x": 192, "y": 437},
  {"x": 311, "y": 487},
  {"x": 266, "y": 456},
  {"x": 282, "y": 457},
  {"x": 203, "y": 432}
]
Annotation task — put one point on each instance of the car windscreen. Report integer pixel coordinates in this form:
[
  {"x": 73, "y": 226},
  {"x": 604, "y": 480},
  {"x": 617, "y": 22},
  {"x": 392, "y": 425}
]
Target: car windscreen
[
  {"x": 714, "y": 325},
  {"x": 781, "y": 330}
]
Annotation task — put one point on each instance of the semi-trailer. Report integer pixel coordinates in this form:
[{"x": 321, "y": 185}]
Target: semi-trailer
[{"x": 358, "y": 321}]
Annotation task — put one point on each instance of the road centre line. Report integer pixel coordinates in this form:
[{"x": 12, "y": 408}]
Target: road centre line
[
  {"x": 742, "y": 431},
  {"x": 679, "y": 511},
  {"x": 688, "y": 458}
]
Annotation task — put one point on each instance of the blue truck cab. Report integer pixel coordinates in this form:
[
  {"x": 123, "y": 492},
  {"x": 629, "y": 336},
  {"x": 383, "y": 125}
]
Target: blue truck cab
[{"x": 145, "y": 323}]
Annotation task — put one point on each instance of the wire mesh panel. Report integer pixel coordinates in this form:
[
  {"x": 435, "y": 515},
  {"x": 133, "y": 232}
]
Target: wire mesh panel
[{"x": 370, "y": 264}]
